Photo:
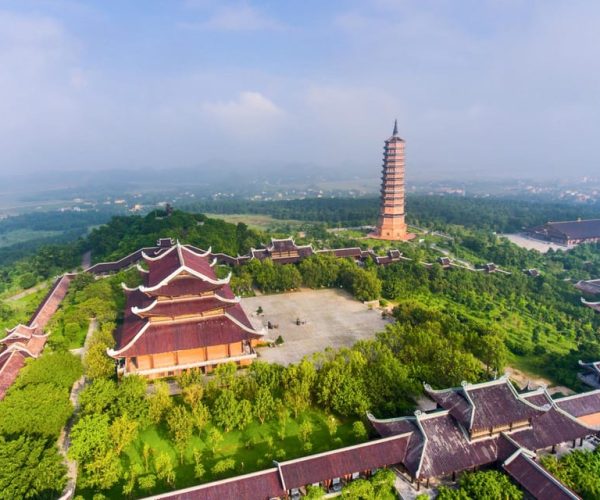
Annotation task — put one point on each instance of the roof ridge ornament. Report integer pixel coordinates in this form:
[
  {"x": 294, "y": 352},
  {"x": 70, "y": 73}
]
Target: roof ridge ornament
[{"x": 395, "y": 128}]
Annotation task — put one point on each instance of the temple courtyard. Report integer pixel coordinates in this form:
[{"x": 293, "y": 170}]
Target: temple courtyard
[{"x": 329, "y": 318}]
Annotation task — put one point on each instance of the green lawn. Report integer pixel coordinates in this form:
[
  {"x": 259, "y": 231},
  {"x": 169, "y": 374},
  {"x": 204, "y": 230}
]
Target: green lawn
[
  {"x": 249, "y": 448},
  {"x": 21, "y": 309},
  {"x": 254, "y": 221}
]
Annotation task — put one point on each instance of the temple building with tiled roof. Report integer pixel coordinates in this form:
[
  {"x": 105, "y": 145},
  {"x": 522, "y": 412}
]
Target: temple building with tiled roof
[
  {"x": 475, "y": 425},
  {"x": 27, "y": 341},
  {"x": 484, "y": 424},
  {"x": 568, "y": 233},
  {"x": 590, "y": 374},
  {"x": 182, "y": 317}
]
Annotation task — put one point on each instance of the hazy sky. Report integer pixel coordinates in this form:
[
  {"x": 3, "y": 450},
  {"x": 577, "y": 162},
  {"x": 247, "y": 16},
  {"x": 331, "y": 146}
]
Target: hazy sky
[{"x": 498, "y": 87}]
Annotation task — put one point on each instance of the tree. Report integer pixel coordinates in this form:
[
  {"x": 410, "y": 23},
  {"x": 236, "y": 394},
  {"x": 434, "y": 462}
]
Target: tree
[
  {"x": 332, "y": 425},
  {"x": 164, "y": 468},
  {"x": 222, "y": 466},
  {"x": 488, "y": 485},
  {"x": 61, "y": 369},
  {"x": 159, "y": 402},
  {"x": 97, "y": 363},
  {"x": 200, "y": 416},
  {"x": 131, "y": 476},
  {"x": 181, "y": 426},
  {"x": 314, "y": 492},
  {"x": 359, "y": 489},
  {"x": 305, "y": 430},
  {"x": 37, "y": 409},
  {"x": 383, "y": 482},
  {"x": 225, "y": 410},
  {"x": 359, "y": 431},
  {"x": 131, "y": 398},
  {"x": 98, "y": 396},
  {"x": 147, "y": 482},
  {"x": 244, "y": 413},
  {"x": 30, "y": 468},
  {"x": 192, "y": 394},
  {"x": 199, "y": 469},
  {"x": 298, "y": 382},
  {"x": 214, "y": 437},
  {"x": 123, "y": 431},
  {"x": 103, "y": 471},
  {"x": 89, "y": 437},
  {"x": 28, "y": 280},
  {"x": 365, "y": 285},
  {"x": 340, "y": 384},
  {"x": 264, "y": 404},
  {"x": 580, "y": 470},
  {"x": 146, "y": 454}
]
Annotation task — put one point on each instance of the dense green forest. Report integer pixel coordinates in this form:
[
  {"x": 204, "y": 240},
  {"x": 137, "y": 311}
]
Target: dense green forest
[
  {"x": 124, "y": 235},
  {"x": 494, "y": 214}
]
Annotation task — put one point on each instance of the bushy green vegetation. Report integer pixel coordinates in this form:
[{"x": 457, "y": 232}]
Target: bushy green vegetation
[
  {"x": 87, "y": 298},
  {"x": 540, "y": 319},
  {"x": 488, "y": 485},
  {"x": 579, "y": 470},
  {"x": 123, "y": 235},
  {"x": 128, "y": 440},
  {"x": 32, "y": 415},
  {"x": 316, "y": 271},
  {"x": 378, "y": 487}
]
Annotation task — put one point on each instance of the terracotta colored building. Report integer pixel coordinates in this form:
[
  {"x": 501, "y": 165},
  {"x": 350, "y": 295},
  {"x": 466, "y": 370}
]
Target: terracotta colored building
[
  {"x": 568, "y": 233},
  {"x": 474, "y": 426},
  {"x": 391, "y": 224},
  {"x": 182, "y": 317}
]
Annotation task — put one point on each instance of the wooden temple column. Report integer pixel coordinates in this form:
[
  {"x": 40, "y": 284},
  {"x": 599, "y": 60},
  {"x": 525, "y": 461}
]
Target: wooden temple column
[
  {"x": 554, "y": 448},
  {"x": 574, "y": 443}
]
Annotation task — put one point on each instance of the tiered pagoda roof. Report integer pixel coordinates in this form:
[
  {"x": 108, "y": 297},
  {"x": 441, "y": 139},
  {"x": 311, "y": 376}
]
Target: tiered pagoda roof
[
  {"x": 283, "y": 251},
  {"x": 480, "y": 424},
  {"x": 181, "y": 305}
]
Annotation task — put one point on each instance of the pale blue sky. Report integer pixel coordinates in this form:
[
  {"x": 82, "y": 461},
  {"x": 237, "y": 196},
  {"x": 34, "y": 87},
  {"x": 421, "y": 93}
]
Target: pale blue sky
[{"x": 500, "y": 87}]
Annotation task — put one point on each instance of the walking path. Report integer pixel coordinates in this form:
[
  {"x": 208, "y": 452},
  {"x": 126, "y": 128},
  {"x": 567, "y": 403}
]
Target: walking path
[
  {"x": 29, "y": 291},
  {"x": 64, "y": 441}
]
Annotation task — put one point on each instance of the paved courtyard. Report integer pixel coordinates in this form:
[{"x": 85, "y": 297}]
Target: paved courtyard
[
  {"x": 332, "y": 318},
  {"x": 528, "y": 243}
]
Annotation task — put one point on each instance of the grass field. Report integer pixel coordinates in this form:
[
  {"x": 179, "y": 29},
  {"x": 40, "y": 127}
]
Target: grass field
[
  {"x": 253, "y": 449},
  {"x": 255, "y": 221}
]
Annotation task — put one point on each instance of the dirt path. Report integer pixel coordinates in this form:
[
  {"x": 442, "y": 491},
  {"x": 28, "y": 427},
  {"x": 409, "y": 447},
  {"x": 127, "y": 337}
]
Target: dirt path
[
  {"x": 523, "y": 379},
  {"x": 29, "y": 291},
  {"x": 86, "y": 260}
]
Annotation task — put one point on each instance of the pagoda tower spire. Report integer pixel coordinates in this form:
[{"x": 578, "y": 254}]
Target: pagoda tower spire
[{"x": 391, "y": 224}]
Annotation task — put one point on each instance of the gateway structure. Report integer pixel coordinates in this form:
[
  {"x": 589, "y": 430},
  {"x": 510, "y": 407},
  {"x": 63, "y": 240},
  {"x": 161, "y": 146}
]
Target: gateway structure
[
  {"x": 391, "y": 224},
  {"x": 182, "y": 317}
]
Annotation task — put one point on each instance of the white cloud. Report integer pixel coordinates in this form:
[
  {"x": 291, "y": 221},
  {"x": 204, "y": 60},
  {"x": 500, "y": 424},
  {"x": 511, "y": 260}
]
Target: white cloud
[
  {"x": 237, "y": 18},
  {"x": 251, "y": 115}
]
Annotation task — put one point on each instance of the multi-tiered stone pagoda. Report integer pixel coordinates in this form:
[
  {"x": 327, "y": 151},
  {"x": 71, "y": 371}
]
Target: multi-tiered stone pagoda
[
  {"x": 391, "y": 224},
  {"x": 182, "y": 317}
]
